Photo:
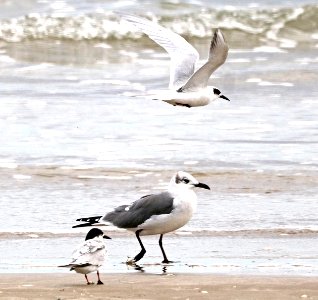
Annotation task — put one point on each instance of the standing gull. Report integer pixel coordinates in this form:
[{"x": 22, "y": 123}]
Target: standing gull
[
  {"x": 186, "y": 87},
  {"x": 90, "y": 255},
  {"x": 155, "y": 214}
]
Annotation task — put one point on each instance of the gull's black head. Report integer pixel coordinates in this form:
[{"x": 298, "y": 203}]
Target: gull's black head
[
  {"x": 218, "y": 93},
  {"x": 93, "y": 233},
  {"x": 185, "y": 179}
]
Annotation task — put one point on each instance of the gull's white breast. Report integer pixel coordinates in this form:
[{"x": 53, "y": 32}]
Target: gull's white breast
[{"x": 184, "y": 206}]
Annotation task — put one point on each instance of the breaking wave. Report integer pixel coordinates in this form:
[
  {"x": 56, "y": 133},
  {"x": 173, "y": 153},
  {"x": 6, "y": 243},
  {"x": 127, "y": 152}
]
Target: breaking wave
[{"x": 286, "y": 27}]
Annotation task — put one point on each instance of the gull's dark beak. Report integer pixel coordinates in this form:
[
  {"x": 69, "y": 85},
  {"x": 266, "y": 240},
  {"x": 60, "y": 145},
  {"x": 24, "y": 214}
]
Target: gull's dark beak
[
  {"x": 106, "y": 237},
  {"x": 202, "y": 185},
  {"x": 225, "y": 98}
]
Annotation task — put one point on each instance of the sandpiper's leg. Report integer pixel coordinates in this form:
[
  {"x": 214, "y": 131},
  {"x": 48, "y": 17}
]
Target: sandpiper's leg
[
  {"x": 99, "y": 281},
  {"x": 88, "y": 282}
]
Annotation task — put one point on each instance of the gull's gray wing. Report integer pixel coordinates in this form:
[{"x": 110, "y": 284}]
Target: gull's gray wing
[
  {"x": 217, "y": 56},
  {"x": 130, "y": 216},
  {"x": 183, "y": 56}
]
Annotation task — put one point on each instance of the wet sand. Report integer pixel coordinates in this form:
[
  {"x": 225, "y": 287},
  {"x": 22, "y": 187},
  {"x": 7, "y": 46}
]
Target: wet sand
[{"x": 145, "y": 286}]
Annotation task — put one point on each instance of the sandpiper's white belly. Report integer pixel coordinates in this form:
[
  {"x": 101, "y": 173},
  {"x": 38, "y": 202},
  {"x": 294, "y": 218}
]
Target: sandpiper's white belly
[{"x": 86, "y": 269}]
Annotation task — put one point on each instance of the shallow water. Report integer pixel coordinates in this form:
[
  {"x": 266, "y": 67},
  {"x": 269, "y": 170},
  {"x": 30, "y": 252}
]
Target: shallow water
[
  {"x": 74, "y": 142},
  {"x": 284, "y": 255}
]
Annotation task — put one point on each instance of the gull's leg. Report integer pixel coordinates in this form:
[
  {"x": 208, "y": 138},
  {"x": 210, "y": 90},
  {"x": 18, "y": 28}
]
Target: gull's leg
[
  {"x": 141, "y": 254},
  {"x": 165, "y": 259}
]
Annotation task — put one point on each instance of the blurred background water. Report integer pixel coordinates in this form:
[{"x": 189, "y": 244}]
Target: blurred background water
[{"x": 74, "y": 142}]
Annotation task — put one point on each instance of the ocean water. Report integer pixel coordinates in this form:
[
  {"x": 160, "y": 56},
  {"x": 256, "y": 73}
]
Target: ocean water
[{"x": 76, "y": 141}]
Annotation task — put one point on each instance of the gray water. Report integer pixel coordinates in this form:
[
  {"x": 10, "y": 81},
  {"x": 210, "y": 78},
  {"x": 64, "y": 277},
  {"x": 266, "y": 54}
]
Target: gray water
[{"x": 74, "y": 142}]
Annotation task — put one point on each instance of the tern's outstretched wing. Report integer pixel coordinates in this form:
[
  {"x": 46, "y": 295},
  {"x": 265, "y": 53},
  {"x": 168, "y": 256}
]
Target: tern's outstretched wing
[
  {"x": 217, "y": 56},
  {"x": 183, "y": 55}
]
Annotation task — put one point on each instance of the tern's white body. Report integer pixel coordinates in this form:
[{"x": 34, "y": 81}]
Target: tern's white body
[
  {"x": 200, "y": 97},
  {"x": 187, "y": 87}
]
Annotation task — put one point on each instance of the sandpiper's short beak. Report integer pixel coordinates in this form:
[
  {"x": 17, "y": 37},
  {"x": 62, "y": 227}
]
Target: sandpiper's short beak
[
  {"x": 225, "y": 98},
  {"x": 106, "y": 237},
  {"x": 202, "y": 185}
]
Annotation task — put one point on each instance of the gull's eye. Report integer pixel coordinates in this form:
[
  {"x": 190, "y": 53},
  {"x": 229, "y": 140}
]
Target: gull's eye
[
  {"x": 216, "y": 91},
  {"x": 185, "y": 180}
]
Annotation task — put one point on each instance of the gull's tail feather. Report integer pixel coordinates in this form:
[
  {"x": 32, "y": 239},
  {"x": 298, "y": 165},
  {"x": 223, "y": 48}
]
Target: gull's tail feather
[
  {"x": 90, "y": 221},
  {"x": 67, "y": 266}
]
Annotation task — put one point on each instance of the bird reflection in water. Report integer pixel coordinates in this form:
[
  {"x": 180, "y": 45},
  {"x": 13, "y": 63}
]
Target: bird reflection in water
[{"x": 145, "y": 268}]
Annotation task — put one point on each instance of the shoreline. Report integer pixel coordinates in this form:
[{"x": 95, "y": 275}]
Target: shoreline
[
  {"x": 150, "y": 286},
  {"x": 235, "y": 255},
  {"x": 183, "y": 232}
]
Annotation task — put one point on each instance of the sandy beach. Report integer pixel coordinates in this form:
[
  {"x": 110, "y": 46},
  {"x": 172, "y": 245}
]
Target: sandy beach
[{"x": 145, "y": 286}]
